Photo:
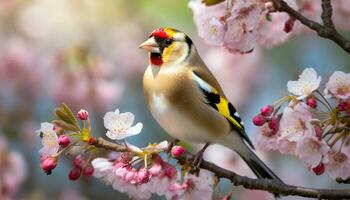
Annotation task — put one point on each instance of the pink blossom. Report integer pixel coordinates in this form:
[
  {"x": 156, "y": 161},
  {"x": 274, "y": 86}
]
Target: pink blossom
[
  {"x": 208, "y": 22},
  {"x": 311, "y": 150},
  {"x": 49, "y": 139},
  {"x": 294, "y": 122},
  {"x": 268, "y": 139},
  {"x": 338, "y": 165},
  {"x": 286, "y": 146},
  {"x": 120, "y": 125},
  {"x": 271, "y": 32},
  {"x": 193, "y": 187},
  {"x": 338, "y": 86},
  {"x": 307, "y": 83}
]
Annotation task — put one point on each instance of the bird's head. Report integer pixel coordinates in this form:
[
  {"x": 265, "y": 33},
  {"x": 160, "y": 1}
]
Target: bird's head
[{"x": 167, "y": 46}]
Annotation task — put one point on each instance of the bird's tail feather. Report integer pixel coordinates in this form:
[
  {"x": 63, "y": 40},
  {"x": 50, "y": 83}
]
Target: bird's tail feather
[{"x": 258, "y": 166}]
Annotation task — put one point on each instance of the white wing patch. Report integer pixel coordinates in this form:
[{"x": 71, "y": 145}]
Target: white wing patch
[{"x": 202, "y": 84}]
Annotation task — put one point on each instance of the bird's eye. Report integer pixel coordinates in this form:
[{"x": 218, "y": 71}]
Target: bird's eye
[{"x": 168, "y": 41}]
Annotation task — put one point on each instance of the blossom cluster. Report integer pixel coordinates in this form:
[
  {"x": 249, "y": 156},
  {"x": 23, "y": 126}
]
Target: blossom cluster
[
  {"x": 139, "y": 172},
  {"x": 314, "y": 126},
  {"x": 241, "y": 25}
]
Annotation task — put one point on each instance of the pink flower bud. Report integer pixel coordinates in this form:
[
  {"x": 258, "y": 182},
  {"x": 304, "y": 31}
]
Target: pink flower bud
[
  {"x": 311, "y": 102},
  {"x": 267, "y": 110},
  {"x": 319, "y": 169},
  {"x": 342, "y": 106},
  {"x": 79, "y": 161},
  {"x": 48, "y": 164},
  {"x": 75, "y": 173},
  {"x": 88, "y": 170},
  {"x": 288, "y": 25},
  {"x": 143, "y": 175},
  {"x": 126, "y": 157},
  {"x": 83, "y": 114},
  {"x": 259, "y": 120},
  {"x": 64, "y": 140},
  {"x": 177, "y": 151},
  {"x": 274, "y": 124}
]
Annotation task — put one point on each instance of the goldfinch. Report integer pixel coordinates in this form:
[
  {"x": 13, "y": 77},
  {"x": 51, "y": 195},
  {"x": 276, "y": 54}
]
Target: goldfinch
[{"x": 187, "y": 101}]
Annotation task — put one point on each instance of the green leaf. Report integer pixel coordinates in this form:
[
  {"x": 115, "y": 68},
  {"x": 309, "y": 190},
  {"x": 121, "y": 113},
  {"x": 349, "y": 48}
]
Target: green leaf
[
  {"x": 70, "y": 114},
  {"x": 61, "y": 114},
  {"x": 212, "y": 2},
  {"x": 66, "y": 125}
]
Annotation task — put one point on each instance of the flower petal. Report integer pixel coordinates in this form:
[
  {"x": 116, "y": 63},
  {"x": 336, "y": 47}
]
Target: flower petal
[
  {"x": 126, "y": 119},
  {"x": 110, "y": 119}
]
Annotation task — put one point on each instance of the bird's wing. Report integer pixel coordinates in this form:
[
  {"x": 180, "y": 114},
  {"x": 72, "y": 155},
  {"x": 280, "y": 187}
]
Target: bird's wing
[{"x": 217, "y": 100}]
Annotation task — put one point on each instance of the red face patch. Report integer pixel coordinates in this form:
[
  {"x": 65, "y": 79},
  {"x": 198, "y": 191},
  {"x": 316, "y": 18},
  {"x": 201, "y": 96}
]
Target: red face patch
[
  {"x": 156, "y": 59},
  {"x": 159, "y": 33}
]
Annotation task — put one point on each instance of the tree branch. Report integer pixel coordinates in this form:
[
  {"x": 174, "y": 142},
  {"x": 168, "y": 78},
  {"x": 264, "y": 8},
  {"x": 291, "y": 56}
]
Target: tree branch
[
  {"x": 248, "y": 183},
  {"x": 327, "y": 30}
]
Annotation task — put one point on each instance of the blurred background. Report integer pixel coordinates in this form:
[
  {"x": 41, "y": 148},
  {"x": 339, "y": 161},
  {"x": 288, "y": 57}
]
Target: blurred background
[{"x": 85, "y": 53}]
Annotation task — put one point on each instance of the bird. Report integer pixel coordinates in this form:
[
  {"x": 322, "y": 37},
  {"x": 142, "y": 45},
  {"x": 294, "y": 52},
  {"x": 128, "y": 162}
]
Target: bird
[{"x": 187, "y": 101}]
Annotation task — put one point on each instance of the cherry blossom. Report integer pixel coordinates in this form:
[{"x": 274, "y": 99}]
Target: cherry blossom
[
  {"x": 119, "y": 125},
  {"x": 307, "y": 83},
  {"x": 295, "y": 122},
  {"x": 49, "y": 139},
  {"x": 193, "y": 187},
  {"x": 338, "y": 165},
  {"x": 311, "y": 150},
  {"x": 338, "y": 85}
]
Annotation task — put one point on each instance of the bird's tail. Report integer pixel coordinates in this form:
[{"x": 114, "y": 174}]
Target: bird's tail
[
  {"x": 235, "y": 142},
  {"x": 257, "y": 165}
]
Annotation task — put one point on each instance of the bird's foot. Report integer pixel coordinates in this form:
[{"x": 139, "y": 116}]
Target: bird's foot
[{"x": 197, "y": 160}]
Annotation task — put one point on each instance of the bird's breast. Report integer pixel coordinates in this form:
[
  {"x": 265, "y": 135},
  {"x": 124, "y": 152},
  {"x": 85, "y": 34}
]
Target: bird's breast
[{"x": 177, "y": 106}]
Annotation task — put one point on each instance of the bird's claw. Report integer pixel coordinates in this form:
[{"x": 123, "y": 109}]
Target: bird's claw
[
  {"x": 172, "y": 144},
  {"x": 196, "y": 163}
]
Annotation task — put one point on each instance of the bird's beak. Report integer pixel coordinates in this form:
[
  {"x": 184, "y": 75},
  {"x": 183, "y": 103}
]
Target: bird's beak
[{"x": 150, "y": 45}]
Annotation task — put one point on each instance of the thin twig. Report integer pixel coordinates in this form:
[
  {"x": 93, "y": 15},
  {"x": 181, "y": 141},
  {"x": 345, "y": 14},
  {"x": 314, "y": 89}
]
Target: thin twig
[{"x": 327, "y": 30}]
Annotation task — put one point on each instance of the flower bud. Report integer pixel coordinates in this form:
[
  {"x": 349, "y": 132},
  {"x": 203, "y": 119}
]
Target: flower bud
[
  {"x": 48, "y": 164},
  {"x": 274, "y": 124},
  {"x": 259, "y": 120},
  {"x": 79, "y": 161},
  {"x": 83, "y": 114},
  {"x": 319, "y": 169},
  {"x": 177, "y": 151},
  {"x": 342, "y": 106},
  {"x": 126, "y": 157},
  {"x": 143, "y": 176},
  {"x": 267, "y": 110},
  {"x": 75, "y": 173},
  {"x": 311, "y": 102},
  {"x": 63, "y": 140},
  {"x": 288, "y": 25},
  {"x": 88, "y": 170}
]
